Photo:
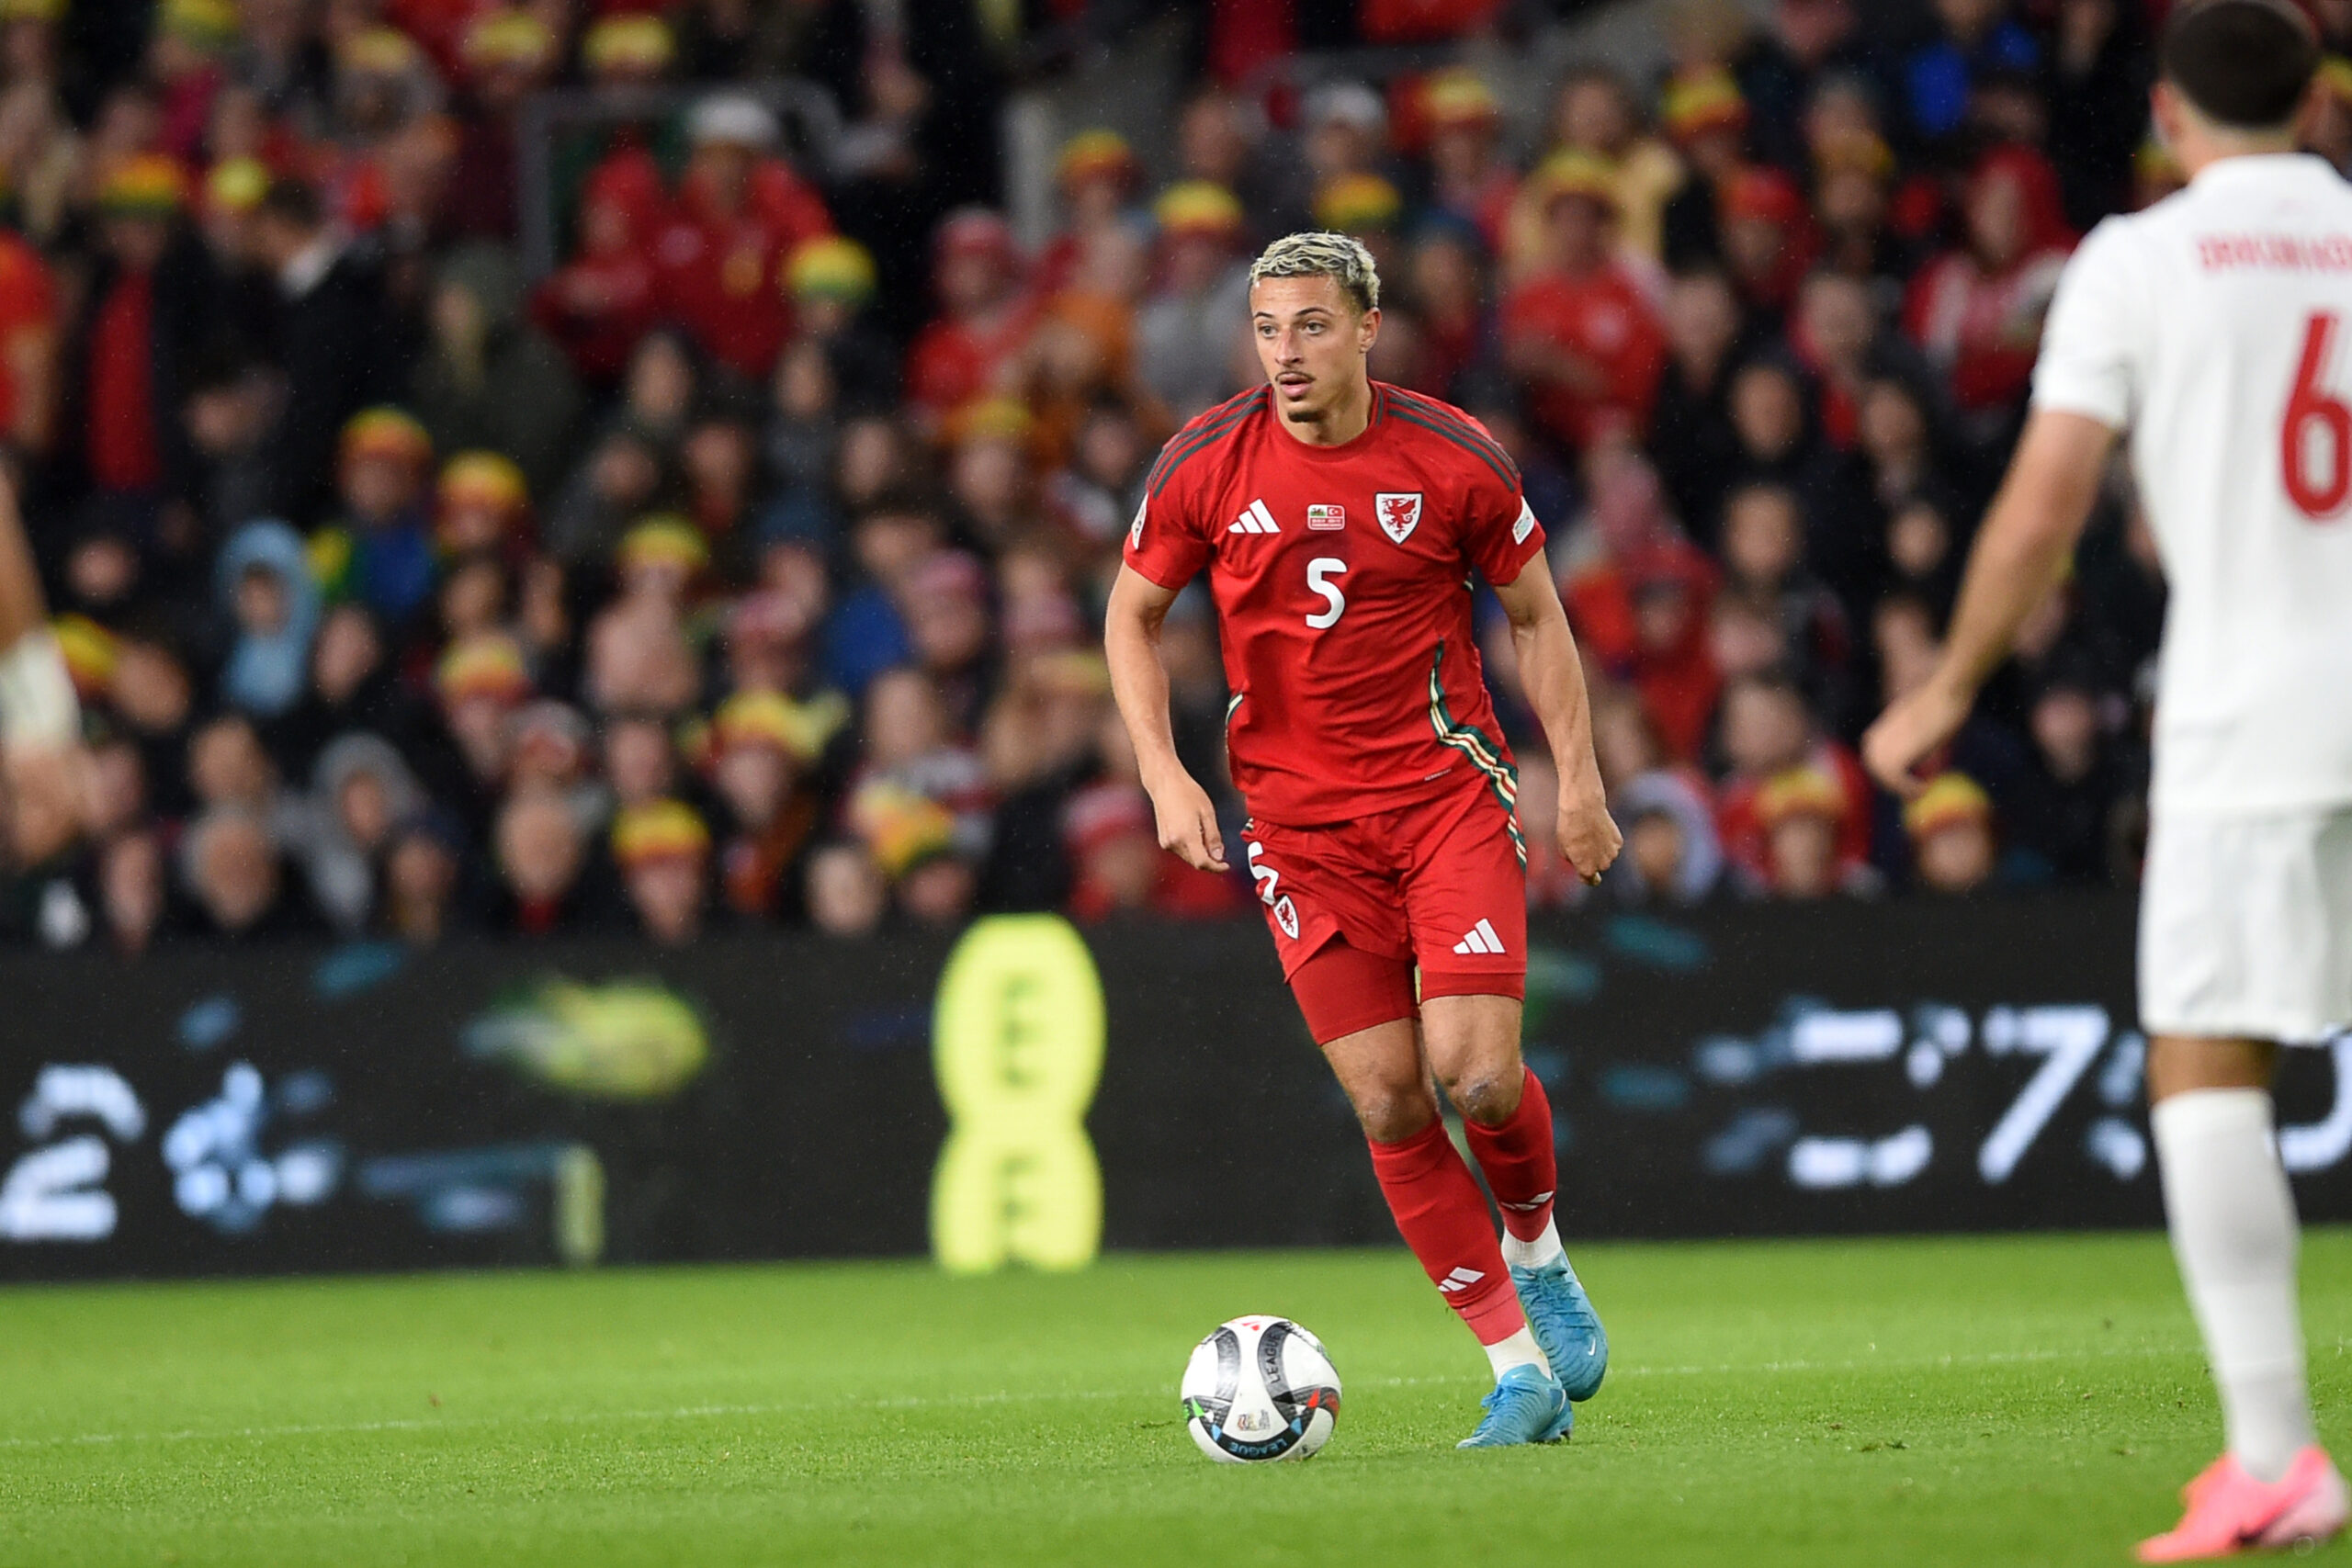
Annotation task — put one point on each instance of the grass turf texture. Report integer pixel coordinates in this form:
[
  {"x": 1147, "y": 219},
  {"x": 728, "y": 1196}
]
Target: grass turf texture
[{"x": 1972, "y": 1402}]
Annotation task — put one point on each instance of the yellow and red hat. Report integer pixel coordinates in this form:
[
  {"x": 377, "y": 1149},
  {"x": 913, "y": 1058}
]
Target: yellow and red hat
[
  {"x": 484, "y": 479},
  {"x": 1198, "y": 207},
  {"x": 31, "y": 11},
  {"x": 663, "y": 539},
  {"x": 831, "y": 267},
  {"x": 152, "y": 184},
  {"x": 988, "y": 419},
  {"x": 1799, "y": 792},
  {"x": 1458, "y": 97},
  {"x": 637, "y": 42},
  {"x": 1950, "y": 799},
  {"x": 380, "y": 52},
  {"x": 236, "y": 184},
  {"x": 903, "y": 827},
  {"x": 511, "y": 40},
  {"x": 659, "y": 830},
  {"x": 90, "y": 652},
  {"x": 1356, "y": 204},
  {"x": 208, "y": 25},
  {"x": 1579, "y": 174},
  {"x": 487, "y": 664},
  {"x": 799, "y": 730},
  {"x": 386, "y": 432},
  {"x": 1700, "y": 101},
  {"x": 1096, "y": 155}
]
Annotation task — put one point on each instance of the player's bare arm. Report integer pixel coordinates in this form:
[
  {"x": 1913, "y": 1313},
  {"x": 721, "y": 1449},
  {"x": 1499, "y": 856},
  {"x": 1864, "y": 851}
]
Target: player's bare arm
[
  {"x": 2027, "y": 540},
  {"x": 40, "y": 722},
  {"x": 1553, "y": 676},
  {"x": 1187, "y": 818}
]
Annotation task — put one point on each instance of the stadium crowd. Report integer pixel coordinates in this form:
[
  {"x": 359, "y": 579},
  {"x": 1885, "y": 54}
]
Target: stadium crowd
[{"x": 746, "y": 568}]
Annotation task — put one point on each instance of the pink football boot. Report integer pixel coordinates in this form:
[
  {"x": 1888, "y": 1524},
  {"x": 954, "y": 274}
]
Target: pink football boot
[{"x": 2229, "y": 1512}]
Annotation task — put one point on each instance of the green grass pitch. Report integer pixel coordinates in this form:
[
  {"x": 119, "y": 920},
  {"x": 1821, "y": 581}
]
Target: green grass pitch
[{"x": 1967, "y": 1402}]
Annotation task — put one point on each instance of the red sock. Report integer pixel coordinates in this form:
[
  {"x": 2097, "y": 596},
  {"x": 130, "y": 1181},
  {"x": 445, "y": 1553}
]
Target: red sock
[
  {"x": 1442, "y": 1216},
  {"x": 1520, "y": 1162}
]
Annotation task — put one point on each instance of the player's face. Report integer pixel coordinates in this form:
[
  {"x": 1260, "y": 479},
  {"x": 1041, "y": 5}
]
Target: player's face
[{"x": 1311, "y": 344}]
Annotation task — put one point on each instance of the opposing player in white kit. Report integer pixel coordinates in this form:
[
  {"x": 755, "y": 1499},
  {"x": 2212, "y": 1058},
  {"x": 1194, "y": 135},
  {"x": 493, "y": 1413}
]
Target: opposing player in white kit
[
  {"x": 42, "y": 766},
  {"x": 2215, "y": 327}
]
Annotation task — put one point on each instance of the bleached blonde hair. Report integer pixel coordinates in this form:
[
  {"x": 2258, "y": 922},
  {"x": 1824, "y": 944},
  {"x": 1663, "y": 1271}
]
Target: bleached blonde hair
[{"x": 1320, "y": 254}]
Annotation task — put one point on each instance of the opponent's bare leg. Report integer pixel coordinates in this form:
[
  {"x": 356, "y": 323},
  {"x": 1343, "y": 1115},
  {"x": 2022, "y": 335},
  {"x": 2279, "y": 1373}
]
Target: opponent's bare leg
[{"x": 42, "y": 763}]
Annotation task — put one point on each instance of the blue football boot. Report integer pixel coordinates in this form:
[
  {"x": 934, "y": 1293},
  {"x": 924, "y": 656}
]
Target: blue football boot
[
  {"x": 1526, "y": 1407},
  {"x": 1565, "y": 1325}
]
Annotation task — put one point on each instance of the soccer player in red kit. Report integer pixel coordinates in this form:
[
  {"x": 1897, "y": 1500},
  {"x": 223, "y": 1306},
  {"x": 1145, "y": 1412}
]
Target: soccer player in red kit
[{"x": 1341, "y": 521}]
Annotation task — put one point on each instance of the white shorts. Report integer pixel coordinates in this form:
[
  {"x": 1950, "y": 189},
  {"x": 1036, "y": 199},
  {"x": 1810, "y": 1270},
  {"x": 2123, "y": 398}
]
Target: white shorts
[{"x": 2245, "y": 926}]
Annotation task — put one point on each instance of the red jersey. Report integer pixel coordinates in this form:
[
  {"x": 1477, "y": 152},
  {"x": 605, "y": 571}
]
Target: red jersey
[
  {"x": 1605, "y": 319},
  {"x": 1341, "y": 576}
]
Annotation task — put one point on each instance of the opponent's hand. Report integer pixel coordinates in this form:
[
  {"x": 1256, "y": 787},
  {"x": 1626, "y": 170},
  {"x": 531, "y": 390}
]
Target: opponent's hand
[
  {"x": 1188, "y": 822},
  {"x": 48, "y": 799},
  {"x": 1912, "y": 729},
  {"x": 1589, "y": 837}
]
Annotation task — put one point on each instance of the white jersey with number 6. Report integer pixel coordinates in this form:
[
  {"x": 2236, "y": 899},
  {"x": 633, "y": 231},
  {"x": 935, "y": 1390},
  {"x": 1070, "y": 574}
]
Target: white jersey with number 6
[{"x": 2216, "y": 326}]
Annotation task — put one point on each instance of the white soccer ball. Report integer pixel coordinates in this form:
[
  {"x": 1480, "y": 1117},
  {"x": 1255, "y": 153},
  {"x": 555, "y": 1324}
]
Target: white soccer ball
[{"x": 1259, "y": 1389}]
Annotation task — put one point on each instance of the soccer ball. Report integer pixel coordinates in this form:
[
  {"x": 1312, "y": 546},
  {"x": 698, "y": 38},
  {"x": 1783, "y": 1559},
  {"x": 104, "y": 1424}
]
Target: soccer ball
[{"x": 1259, "y": 1389}]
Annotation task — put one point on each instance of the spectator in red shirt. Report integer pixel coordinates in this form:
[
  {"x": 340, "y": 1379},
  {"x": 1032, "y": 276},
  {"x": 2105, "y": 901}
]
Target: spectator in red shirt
[
  {"x": 1097, "y": 174},
  {"x": 1977, "y": 310},
  {"x": 127, "y": 337},
  {"x": 507, "y": 56},
  {"x": 1578, "y": 331},
  {"x": 28, "y": 346},
  {"x": 1766, "y": 731},
  {"x": 740, "y": 212},
  {"x": 985, "y": 315},
  {"x": 1468, "y": 177},
  {"x": 597, "y": 306}
]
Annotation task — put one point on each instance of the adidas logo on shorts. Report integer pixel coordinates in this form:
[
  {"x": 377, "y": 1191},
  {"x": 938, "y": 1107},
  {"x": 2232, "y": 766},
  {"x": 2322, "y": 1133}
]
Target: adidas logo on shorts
[{"x": 1480, "y": 939}]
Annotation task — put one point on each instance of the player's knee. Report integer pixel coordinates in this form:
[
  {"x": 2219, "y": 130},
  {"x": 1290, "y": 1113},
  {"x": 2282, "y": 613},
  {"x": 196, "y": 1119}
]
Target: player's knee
[
  {"x": 1486, "y": 1094},
  {"x": 1392, "y": 1113}
]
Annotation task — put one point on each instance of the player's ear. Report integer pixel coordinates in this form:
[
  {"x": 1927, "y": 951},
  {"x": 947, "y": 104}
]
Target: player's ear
[
  {"x": 1368, "y": 330},
  {"x": 2164, "y": 114}
]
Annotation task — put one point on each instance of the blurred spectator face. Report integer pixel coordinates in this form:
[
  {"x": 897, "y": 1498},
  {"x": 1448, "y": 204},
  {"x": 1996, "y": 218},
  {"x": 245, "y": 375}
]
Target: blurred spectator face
[
  {"x": 661, "y": 386},
  {"x": 872, "y": 459},
  {"x": 938, "y": 893},
  {"x": 420, "y": 877},
  {"x": 1836, "y": 318},
  {"x": 1701, "y": 320},
  {"x": 726, "y": 168},
  {"x": 1623, "y": 742},
  {"x": 231, "y": 417},
  {"x": 606, "y": 228},
  {"x": 365, "y": 808},
  {"x": 235, "y": 870},
  {"x": 138, "y": 244},
  {"x": 1997, "y": 221},
  {"x": 718, "y": 454},
  {"x": 1662, "y": 611},
  {"x": 625, "y": 472},
  {"x": 847, "y": 893},
  {"x": 890, "y": 544},
  {"x": 1766, "y": 728},
  {"x": 1767, "y": 410},
  {"x": 119, "y": 776},
  {"x": 132, "y": 888},
  {"x": 1918, "y": 541},
  {"x": 1893, "y": 426},
  {"x": 539, "y": 849},
  {"x": 1811, "y": 29},
  {"x": 1211, "y": 141},
  {"x": 753, "y": 780},
  {"x": 639, "y": 656},
  {"x": 227, "y": 766},
  {"x": 668, "y": 893},
  {"x": 1763, "y": 536},
  {"x": 972, "y": 279},
  {"x": 1909, "y": 648},
  {"x": 1593, "y": 115},
  {"x": 1743, "y": 639},
  {"x": 550, "y": 745},
  {"x": 1803, "y": 851},
  {"x": 803, "y": 386},
  {"x": 102, "y": 571},
  {"x": 2065, "y": 730},
  {"x": 1192, "y": 263},
  {"x": 1446, "y": 284},
  {"x": 1956, "y": 857},
  {"x": 150, "y": 690},
  {"x": 1656, "y": 846},
  {"x": 348, "y": 652},
  {"x": 990, "y": 478},
  {"x": 1345, "y": 128},
  {"x": 1968, "y": 21},
  {"x": 639, "y": 762},
  {"x": 905, "y": 719},
  {"x": 375, "y": 489},
  {"x": 482, "y": 728},
  {"x": 1852, "y": 203},
  {"x": 1575, "y": 235},
  {"x": 1110, "y": 447},
  {"x": 948, "y": 622},
  {"x": 261, "y": 602}
]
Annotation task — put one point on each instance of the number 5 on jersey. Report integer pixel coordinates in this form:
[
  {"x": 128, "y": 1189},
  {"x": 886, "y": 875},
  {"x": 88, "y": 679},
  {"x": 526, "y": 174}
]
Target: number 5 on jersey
[{"x": 1319, "y": 574}]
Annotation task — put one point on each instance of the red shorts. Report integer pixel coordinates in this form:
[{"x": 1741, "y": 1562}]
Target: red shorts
[{"x": 1441, "y": 885}]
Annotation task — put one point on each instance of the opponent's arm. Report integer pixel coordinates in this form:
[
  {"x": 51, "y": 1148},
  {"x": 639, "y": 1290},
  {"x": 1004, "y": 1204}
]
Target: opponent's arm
[
  {"x": 1139, "y": 685},
  {"x": 1553, "y": 677},
  {"x": 40, "y": 724},
  {"x": 2027, "y": 540}
]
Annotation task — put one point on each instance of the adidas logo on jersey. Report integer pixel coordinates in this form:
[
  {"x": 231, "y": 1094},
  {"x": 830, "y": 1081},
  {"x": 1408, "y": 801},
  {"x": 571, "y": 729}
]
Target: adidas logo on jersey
[
  {"x": 1481, "y": 938},
  {"x": 1460, "y": 1280},
  {"x": 1257, "y": 520}
]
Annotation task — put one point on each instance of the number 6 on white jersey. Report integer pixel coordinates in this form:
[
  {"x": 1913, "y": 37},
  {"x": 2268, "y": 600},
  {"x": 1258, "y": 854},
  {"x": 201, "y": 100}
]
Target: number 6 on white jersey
[{"x": 1320, "y": 573}]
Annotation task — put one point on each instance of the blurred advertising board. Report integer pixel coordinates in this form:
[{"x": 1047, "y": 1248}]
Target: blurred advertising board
[{"x": 1028, "y": 1093}]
